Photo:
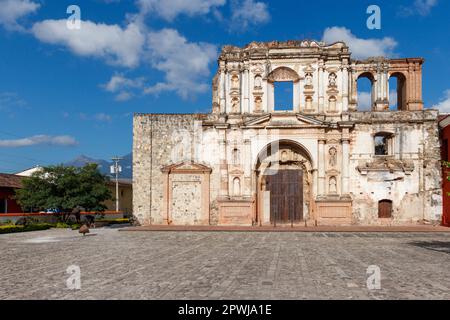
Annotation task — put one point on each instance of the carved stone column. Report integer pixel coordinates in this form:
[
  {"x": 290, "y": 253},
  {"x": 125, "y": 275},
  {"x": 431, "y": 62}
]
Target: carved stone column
[
  {"x": 222, "y": 102},
  {"x": 353, "y": 91},
  {"x": 345, "y": 162},
  {"x": 270, "y": 98},
  {"x": 224, "y": 190},
  {"x": 321, "y": 88},
  {"x": 321, "y": 168},
  {"x": 248, "y": 167},
  {"x": 246, "y": 90},
  {"x": 345, "y": 85}
]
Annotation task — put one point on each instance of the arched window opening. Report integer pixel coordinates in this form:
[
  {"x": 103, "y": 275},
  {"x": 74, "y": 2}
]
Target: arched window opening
[
  {"x": 366, "y": 92},
  {"x": 397, "y": 91},
  {"x": 385, "y": 208},
  {"x": 284, "y": 95},
  {"x": 383, "y": 144}
]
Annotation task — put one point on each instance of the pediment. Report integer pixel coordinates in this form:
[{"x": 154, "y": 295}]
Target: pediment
[
  {"x": 288, "y": 120},
  {"x": 186, "y": 167}
]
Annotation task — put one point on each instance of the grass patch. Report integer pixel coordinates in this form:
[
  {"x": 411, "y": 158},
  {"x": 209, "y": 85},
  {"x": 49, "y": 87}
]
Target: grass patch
[{"x": 34, "y": 227}]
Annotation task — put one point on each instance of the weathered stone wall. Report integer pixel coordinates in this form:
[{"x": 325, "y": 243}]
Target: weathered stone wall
[
  {"x": 409, "y": 176},
  {"x": 159, "y": 140}
]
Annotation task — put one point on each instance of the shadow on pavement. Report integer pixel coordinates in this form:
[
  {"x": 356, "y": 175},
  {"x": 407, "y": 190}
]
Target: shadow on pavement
[{"x": 440, "y": 246}]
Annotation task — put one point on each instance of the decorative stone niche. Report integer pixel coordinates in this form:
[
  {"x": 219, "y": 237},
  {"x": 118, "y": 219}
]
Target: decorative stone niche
[{"x": 186, "y": 194}]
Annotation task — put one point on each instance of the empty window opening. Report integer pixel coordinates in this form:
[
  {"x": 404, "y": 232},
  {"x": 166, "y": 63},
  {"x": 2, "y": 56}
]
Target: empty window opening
[
  {"x": 366, "y": 92},
  {"x": 397, "y": 92},
  {"x": 385, "y": 208},
  {"x": 284, "y": 95},
  {"x": 383, "y": 144}
]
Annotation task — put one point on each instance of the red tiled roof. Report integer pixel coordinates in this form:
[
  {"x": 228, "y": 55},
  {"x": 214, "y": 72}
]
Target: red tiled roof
[{"x": 10, "y": 181}]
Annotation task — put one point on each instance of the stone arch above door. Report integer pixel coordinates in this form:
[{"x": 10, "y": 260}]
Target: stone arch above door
[{"x": 280, "y": 156}]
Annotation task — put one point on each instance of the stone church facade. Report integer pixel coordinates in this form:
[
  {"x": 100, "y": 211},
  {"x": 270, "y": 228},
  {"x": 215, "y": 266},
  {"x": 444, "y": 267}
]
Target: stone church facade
[{"x": 323, "y": 162}]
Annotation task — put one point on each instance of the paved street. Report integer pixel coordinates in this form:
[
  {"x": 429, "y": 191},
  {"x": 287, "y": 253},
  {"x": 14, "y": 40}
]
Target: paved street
[{"x": 224, "y": 265}]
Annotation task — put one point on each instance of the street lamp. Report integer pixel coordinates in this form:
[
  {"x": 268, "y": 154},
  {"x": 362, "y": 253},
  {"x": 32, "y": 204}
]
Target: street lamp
[{"x": 116, "y": 169}]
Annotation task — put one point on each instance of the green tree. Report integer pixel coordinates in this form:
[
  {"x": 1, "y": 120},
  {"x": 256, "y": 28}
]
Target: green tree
[{"x": 62, "y": 189}]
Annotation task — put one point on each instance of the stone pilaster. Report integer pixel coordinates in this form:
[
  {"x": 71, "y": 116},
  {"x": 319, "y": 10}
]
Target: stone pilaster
[{"x": 321, "y": 168}]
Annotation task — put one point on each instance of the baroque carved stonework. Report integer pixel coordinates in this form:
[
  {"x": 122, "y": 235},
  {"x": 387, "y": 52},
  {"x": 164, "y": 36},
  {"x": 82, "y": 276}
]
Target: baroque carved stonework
[{"x": 283, "y": 74}]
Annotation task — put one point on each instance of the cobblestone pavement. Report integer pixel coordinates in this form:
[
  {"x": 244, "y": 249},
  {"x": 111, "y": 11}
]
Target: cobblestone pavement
[{"x": 224, "y": 265}]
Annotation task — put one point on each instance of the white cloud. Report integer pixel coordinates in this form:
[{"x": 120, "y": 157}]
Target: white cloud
[
  {"x": 103, "y": 117},
  {"x": 364, "y": 101},
  {"x": 121, "y": 46},
  {"x": 13, "y": 10},
  {"x": 170, "y": 9},
  {"x": 360, "y": 48},
  {"x": 444, "y": 104},
  {"x": 39, "y": 140},
  {"x": 124, "y": 96},
  {"x": 119, "y": 82},
  {"x": 420, "y": 7},
  {"x": 10, "y": 101},
  {"x": 248, "y": 12},
  {"x": 185, "y": 64},
  {"x": 123, "y": 86}
]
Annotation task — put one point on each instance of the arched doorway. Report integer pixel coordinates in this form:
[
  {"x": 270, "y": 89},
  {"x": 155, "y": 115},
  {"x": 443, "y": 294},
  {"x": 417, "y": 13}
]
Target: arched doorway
[{"x": 284, "y": 184}]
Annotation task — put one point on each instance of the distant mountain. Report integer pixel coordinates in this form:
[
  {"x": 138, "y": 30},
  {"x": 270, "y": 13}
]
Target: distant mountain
[{"x": 104, "y": 166}]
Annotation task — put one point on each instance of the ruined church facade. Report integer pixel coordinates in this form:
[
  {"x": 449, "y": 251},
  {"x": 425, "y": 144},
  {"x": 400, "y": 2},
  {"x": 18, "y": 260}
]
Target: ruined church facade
[{"x": 322, "y": 162}]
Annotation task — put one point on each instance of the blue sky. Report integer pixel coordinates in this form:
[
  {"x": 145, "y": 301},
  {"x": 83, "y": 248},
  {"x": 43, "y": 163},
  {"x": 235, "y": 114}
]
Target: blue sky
[{"x": 69, "y": 92}]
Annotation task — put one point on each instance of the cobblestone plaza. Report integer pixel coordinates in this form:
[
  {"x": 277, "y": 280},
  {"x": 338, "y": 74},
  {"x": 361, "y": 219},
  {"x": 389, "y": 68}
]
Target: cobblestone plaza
[{"x": 224, "y": 265}]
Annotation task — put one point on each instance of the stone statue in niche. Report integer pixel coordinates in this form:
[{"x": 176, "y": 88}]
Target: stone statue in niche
[
  {"x": 309, "y": 80},
  {"x": 235, "y": 105},
  {"x": 332, "y": 159},
  {"x": 236, "y": 186},
  {"x": 258, "y": 104},
  {"x": 235, "y": 81},
  {"x": 332, "y": 80},
  {"x": 332, "y": 185},
  {"x": 308, "y": 101},
  {"x": 258, "y": 82}
]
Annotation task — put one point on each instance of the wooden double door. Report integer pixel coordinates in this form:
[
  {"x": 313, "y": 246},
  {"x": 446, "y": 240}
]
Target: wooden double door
[{"x": 286, "y": 196}]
